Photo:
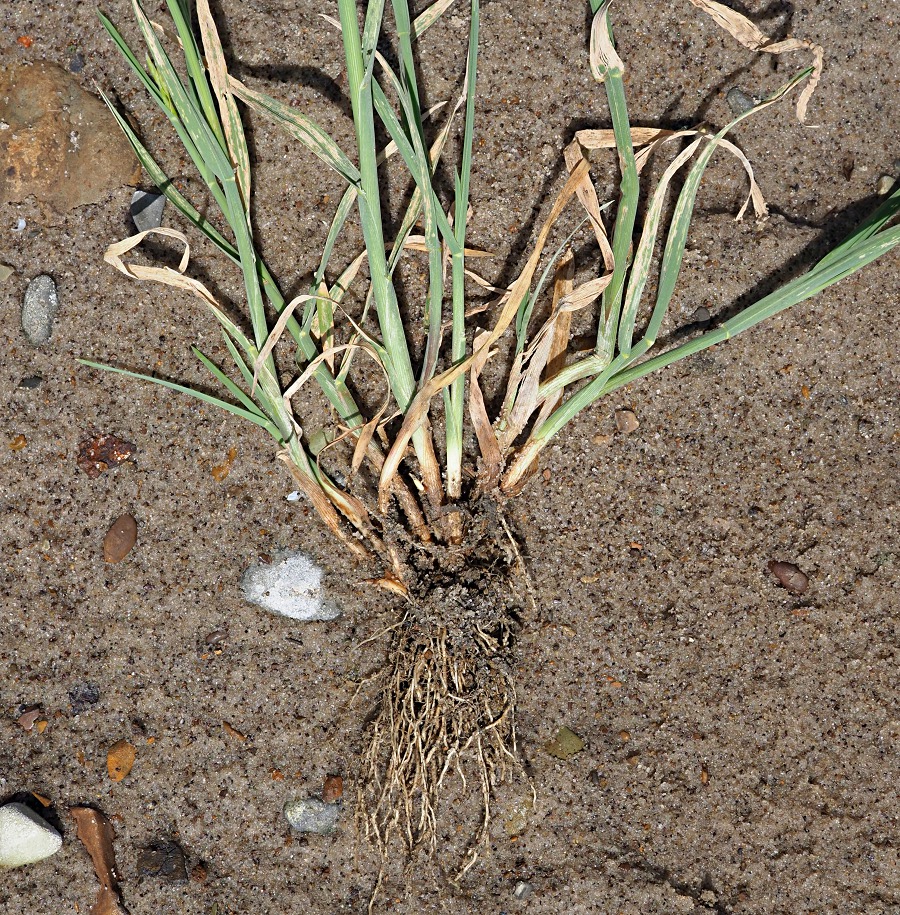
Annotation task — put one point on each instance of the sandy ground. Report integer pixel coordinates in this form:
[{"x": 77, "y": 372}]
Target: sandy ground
[{"x": 741, "y": 742}]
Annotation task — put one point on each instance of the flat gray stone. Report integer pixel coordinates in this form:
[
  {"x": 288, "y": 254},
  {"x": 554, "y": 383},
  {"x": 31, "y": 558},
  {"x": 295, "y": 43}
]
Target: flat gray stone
[
  {"x": 39, "y": 309},
  {"x": 147, "y": 209},
  {"x": 290, "y": 586},
  {"x": 25, "y": 837},
  {"x": 312, "y": 815}
]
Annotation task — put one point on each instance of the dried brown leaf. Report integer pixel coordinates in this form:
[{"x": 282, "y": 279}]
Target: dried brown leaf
[
  {"x": 96, "y": 833},
  {"x": 491, "y": 458},
  {"x": 100, "y": 452},
  {"x": 418, "y": 409}
]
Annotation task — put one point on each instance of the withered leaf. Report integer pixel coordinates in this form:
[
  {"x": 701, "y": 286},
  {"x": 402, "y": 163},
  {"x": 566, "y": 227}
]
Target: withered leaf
[{"x": 96, "y": 834}]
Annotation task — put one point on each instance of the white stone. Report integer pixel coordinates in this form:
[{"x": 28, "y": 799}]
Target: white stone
[
  {"x": 25, "y": 837},
  {"x": 290, "y": 586}
]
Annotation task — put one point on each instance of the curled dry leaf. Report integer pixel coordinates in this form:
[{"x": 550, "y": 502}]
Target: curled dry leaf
[
  {"x": 96, "y": 834},
  {"x": 119, "y": 759},
  {"x": 742, "y": 29}
]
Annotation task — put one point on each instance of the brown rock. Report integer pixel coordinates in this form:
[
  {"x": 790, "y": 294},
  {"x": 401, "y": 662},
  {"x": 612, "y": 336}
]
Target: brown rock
[
  {"x": 789, "y": 576},
  {"x": 119, "y": 539},
  {"x": 59, "y": 144},
  {"x": 626, "y": 421},
  {"x": 333, "y": 789},
  {"x": 100, "y": 452}
]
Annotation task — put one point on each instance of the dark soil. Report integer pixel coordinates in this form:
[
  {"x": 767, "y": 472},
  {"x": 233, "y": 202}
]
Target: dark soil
[{"x": 740, "y": 739}]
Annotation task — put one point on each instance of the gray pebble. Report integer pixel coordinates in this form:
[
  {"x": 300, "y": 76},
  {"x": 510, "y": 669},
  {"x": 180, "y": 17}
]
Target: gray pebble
[
  {"x": 147, "y": 209},
  {"x": 31, "y": 382},
  {"x": 884, "y": 185},
  {"x": 39, "y": 309},
  {"x": 312, "y": 815},
  {"x": 523, "y": 890},
  {"x": 164, "y": 860},
  {"x": 83, "y": 695},
  {"x": 739, "y": 101}
]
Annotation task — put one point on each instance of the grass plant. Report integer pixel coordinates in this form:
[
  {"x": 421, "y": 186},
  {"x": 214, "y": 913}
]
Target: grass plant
[{"x": 420, "y": 466}]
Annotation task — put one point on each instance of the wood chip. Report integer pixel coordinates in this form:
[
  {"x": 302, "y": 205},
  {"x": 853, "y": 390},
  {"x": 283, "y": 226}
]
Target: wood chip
[
  {"x": 119, "y": 759},
  {"x": 233, "y": 732}
]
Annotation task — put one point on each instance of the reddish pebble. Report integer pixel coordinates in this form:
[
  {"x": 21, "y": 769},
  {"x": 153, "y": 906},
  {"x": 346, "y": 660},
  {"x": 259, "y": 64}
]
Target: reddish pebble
[
  {"x": 119, "y": 539},
  {"x": 333, "y": 789},
  {"x": 789, "y": 576}
]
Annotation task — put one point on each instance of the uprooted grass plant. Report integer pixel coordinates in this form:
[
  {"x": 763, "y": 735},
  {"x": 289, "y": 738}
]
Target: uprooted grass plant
[{"x": 415, "y": 502}]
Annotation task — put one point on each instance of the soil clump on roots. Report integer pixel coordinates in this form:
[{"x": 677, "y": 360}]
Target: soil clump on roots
[{"x": 447, "y": 700}]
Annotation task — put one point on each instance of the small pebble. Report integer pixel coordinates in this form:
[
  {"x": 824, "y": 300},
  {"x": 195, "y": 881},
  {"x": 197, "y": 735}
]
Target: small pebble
[
  {"x": 39, "y": 309},
  {"x": 565, "y": 745},
  {"x": 164, "y": 860},
  {"x": 312, "y": 815},
  {"x": 523, "y": 890},
  {"x": 147, "y": 209},
  {"x": 701, "y": 317},
  {"x": 25, "y": 837},
  {"x": 27, "y": 719},
  {"x": 5, "y": 272},
  {"x": 333, "y": 789},
  {"x": 20, "y": 225},
  {"x": 884, "y": 185},
  {"x": 119, "y": 539},
  {"x": 739, "y": 102},
  {"x": 789, "y": 576},
  {"x": 31, "y": 382},
  {"x": 626, "y": 421},
  {"x": 83, "y": 695},
  {"x": 76, "y": 64},
  {"x": 290, "y": 586}
]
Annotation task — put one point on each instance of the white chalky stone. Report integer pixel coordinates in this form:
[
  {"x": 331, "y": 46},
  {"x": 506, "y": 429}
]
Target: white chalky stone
[
  {"x": 25, "y": 837},
  {"x": 290, "y": 586}
]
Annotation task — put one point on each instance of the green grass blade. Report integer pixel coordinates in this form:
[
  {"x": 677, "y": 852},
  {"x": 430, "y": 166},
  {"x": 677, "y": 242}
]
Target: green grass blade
[
  {"x": 207, "y": 143},
  {"x": 885, "y": 212},
  {"x": 643, "y": 255},
  {"x": 681, "y": 218},
  {"x": 180, "y": 12},
  {"x": 612, "y": 76},
  {"x": 300, "y": 127},
  {"x": 254, "y": 417},
  {"x": 235, "y": 390}
]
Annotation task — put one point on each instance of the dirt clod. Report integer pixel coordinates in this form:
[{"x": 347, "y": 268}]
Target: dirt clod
[{"x": 100, "y": 452}]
